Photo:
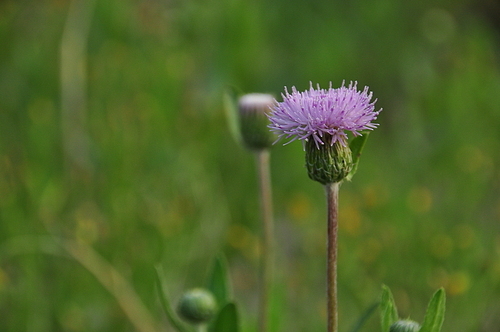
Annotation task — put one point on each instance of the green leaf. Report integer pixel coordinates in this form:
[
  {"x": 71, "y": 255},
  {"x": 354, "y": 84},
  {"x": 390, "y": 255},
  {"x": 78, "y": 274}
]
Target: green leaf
[
  {"x": 230, "y": 102},
  {"x": 366, "y": 315},
  {"x": 388, "y": 310},
  {"x": 357, "y": 144},
  {"x": 218, "y": 281},
  {"x": 434, "y": 316},
  {"x": 227, "y": 319},
  {"x": 165, "y": 303}
]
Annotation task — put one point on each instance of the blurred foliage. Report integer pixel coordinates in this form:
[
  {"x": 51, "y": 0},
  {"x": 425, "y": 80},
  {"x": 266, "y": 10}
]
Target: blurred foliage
[{"x": 116, "y": 138}]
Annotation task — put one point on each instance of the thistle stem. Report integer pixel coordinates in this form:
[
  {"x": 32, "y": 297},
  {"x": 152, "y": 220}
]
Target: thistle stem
[
  {"x": 201, "y": 328},
  {"x": 332, "y": 194},
  {"x": 267, "y": 253}
]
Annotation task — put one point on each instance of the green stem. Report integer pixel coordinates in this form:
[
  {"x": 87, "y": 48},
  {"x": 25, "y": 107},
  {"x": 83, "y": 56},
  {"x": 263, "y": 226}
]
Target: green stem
[
  {"x": 267, "y": 252},
  {"x": 201, "y": 328},
  {"x": 332, "y": 193}
]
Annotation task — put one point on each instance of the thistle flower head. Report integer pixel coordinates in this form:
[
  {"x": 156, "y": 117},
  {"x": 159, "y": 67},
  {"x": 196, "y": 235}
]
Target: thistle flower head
[{"x": 319, "y": 113}]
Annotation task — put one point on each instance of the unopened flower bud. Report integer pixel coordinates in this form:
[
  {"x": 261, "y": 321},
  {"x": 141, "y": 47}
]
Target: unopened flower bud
[
  {"x": 405, "y": 326},
  {"x": 253, "y": 109},
  {"x": 197, "y": 306},
  {"x": 327, "y": 163}
]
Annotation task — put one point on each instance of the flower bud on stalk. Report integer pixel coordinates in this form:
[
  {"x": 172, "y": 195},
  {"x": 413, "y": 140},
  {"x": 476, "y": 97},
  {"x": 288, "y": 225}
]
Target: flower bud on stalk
[
  {"x": 254, "y": 109},
  {"x": 197, "y": 306}
]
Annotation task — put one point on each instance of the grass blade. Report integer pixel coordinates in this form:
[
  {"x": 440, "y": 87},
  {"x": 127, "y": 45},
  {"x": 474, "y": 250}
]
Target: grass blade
[
  {"x": 165, "y": 303},
  {"x": 366, "y": 315}
]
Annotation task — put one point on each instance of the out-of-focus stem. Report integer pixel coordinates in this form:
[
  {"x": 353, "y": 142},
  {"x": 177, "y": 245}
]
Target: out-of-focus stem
[
  {"x": 102, "y": 270},
  {"x": 332, "y": 194},
  {"x": 73, "y": 75},
  {"x": 201, "y": 328},
  {"x": 115, "y": 283},
  {"x": 267, "y": 252}
]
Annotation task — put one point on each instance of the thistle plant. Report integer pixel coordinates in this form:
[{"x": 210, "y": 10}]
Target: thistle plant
[
  {"x": 321, "y": 118},
  {"x": 253, "y": 111}
]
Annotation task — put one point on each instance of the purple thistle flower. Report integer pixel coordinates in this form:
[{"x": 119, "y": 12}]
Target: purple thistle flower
[{"x": 319, "y": 112}]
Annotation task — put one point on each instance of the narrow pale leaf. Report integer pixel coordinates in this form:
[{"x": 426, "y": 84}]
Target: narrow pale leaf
[
  {"x": 227, "y": 319},
  {"x": 357, "y": 144},
  {"x": 165, "y": 303},
  {"x": 218, "y": 281},
  {"x": 230, "y": 101},
  {"x": 434, "y": 316},
  {"x": 388, "y": 310}
]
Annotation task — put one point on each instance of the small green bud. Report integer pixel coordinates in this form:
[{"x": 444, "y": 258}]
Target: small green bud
[
  {"x": 197, "y": 306},
  {"x": 405, "y": 326},
  {"x": 327, "y": 163},
  {"x": 253, "y": 109}
]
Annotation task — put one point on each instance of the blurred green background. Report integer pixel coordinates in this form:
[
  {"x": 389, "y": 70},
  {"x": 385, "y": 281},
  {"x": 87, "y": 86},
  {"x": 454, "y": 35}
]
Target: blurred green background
[{"x": 113, "y": 135}]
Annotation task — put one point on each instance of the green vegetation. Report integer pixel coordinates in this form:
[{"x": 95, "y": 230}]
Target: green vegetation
[{"x": 116, "y": 157}]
